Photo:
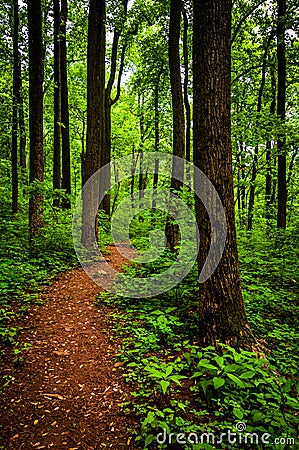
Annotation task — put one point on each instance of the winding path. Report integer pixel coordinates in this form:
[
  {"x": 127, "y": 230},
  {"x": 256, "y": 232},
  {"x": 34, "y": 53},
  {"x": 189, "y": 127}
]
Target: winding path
[{"x": 68, "y": 390}]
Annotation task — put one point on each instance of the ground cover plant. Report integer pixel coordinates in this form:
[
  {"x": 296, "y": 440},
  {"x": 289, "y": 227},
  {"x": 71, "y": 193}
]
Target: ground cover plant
[
  {"x": 149, "y": 155},
  {"x": 183, "y": 388}
]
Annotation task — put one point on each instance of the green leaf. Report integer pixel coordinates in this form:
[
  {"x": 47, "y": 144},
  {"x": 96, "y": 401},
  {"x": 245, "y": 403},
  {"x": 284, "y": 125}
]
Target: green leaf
[
  {"x": 236, "y": 380},
  {"x": 207, "y": 366},
  {"x": 248, "y": 374},
  {"x": 258, "y": 416},
  {"x": 218, "y": 382},
  {"x": 168, "y": 370},
  {"x": 238, "y": 413},
  {"x": 197, "y": 375},
  {"x": 220, "y": 361},
  {"x": 150, "y": 438},
  {"x": 164, "y": 384}
]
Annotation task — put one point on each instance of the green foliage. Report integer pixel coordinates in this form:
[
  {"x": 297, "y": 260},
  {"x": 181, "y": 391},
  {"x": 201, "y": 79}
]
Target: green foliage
[{"x": 179, "y": 387}]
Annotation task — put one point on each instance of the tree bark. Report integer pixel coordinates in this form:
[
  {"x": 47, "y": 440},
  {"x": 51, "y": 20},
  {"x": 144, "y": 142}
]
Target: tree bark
[
  {"x": 221, "y": 310},
  {"x": 281, "y": 110},
  {"x": 15, "y": 100},
  {"x": 57, "y": 102},
  {"x": 109, "y": 102},
  {"x": 269, "y": 152},
  {"x": 22, "y": 128},
  {"x": 95, "y": 140},
  {"x": 172, "y": 230},
  {"x": 186, "y": 98},
  {"x": 65, "y": 129},
  {"x": 36, "y": 76}
]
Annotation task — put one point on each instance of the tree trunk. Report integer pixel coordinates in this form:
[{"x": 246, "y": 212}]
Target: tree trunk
[
  {"x": 172, "y": 231},
  {"x": 106, "y": 151},
  {"x": 65, "y": 129},
  {"x": 57, "y": 103},
  {"x": 186, "y": 98},
  {"x": 269, "y": 152},
  {"x": 95, "y": 140},
  {"x": 36, "y": 76},
  {"x": 15, "y": 99},
  {"x": 256, "y": 150},
  {"x": 22, "y": 129},
  {"x": 281, "y": 107},
  {"x": 157, "y": 139},
  {"x": 222, "y": 313}
]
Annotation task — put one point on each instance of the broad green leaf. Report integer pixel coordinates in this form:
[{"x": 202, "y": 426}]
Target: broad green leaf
[
  {"x": 238, "y": 413},
  {"x": 164, "y": 384},
  {"x": 218, "y": 382},
  {"x": 236, "y": 380},
  {"x": 150, "y": 438}
]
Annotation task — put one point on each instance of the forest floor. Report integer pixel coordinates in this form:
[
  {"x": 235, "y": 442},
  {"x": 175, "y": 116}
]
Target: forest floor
[{"x": 67, "y": 390}]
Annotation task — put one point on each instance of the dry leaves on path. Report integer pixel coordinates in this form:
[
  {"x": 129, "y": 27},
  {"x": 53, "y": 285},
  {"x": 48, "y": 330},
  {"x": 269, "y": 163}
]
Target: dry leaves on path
[{"x": 68, "y": 391}]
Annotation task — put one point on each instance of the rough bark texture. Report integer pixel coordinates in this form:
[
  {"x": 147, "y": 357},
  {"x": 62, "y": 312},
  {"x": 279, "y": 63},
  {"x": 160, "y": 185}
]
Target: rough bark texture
[
  {"x": 65, "y": 129},
  {"x": 95, "y": 140},
  {"x": 57, "y": 102},
  {"x": 186, "y": 98},
  {"x": 281, "y": 105},
  {"x": 221, "y": 310},
  {"x": 36, "y": 75},
  {"x": 15, "y": 98},
  {"x": 109, "y": 102},
  {"x": 172, "y": 231}
]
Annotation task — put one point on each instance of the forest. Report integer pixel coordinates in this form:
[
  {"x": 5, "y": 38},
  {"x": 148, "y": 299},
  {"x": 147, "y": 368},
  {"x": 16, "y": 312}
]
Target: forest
[{"x": 149, "y": 156}]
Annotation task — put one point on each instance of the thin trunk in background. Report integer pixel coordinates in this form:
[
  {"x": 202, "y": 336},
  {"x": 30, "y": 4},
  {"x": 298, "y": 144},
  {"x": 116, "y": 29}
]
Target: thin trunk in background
[
  {"x": 269, "y": 151},
  {"x": 256, "y": 149},
  {"x": 22, "y": 128},
  {"x": 281, "y": 110}
]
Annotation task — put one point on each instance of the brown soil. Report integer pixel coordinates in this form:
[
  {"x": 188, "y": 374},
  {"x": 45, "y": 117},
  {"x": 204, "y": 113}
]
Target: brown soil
[{"x": 67, "y": 392}]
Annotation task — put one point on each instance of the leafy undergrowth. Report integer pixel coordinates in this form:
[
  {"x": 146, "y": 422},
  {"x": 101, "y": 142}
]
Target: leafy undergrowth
[
  {"x": 205, "y": 394},
  {"x": 24, "y": 270}
]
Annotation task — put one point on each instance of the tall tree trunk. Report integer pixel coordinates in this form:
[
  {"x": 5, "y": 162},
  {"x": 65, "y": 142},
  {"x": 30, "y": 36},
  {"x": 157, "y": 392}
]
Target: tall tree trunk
[
  {"x": 256, "y": 150},
  {"x": 109, "y": 102},
  {"x": 140, "y": 152},
  {"x": 186, "y": 98},
  {"x": 269, "y": 152},
  {"x": 36, "y": 76},
  {"x": 15, "y": 100},
  {"x": 157, "y": 138},
  {"x": 221, "y": 310},
  {"x": 95, "y": 140},
  {"x": 65, "y": 129},
  {"x": 22, "y": 127},
  {"x": 57, "y": 103},
  {"x": 172, "y": 231},
  {"x": 281, "y": 106}
]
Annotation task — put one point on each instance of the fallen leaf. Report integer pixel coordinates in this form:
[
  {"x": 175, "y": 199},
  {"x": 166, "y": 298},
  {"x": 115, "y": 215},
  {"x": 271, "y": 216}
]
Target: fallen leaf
[
  {"x": 54, "y": 396},
  {"x": 35, "y": 422}
]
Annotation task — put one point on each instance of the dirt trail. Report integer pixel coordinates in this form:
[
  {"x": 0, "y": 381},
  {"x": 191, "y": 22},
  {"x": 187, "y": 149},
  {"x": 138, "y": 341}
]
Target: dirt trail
[{"x": 67, "y": 392}]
